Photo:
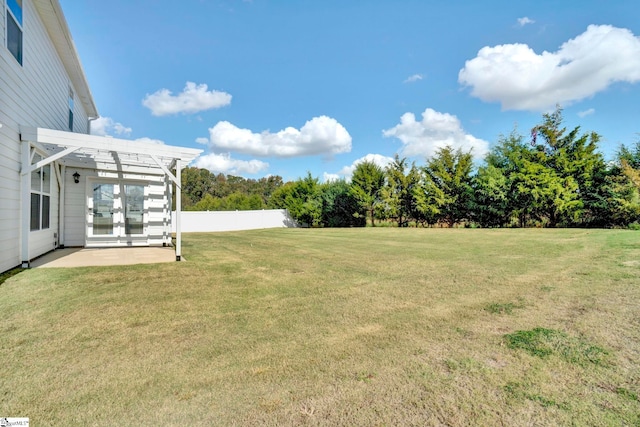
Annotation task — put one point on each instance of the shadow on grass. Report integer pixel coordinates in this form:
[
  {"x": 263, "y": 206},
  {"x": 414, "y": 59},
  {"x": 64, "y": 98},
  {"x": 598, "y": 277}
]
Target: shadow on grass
[{"x": 9, "y": 274}]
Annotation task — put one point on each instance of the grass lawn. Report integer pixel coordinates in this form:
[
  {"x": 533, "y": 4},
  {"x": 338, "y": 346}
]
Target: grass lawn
[{"x": 368, "y": 327}]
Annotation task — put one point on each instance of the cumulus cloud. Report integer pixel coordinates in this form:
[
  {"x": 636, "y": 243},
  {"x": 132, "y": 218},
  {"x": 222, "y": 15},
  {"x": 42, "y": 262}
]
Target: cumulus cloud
[
  {"x": 194, "y": 98},
  {"x": 223, "y": 163},
  {"x": 435, "y": 130},
  {"x": 104, "y": 126},
  {"x": 524, "y": 21},
  {"x": 413, "y": 78},
  {"x": 320, "y": 135},
  {"x": 330, "y": 177},
  {"x": 149, "y": 141},
  {"x": 585, "y": 113},
  {"x": 521, "y": 79},
  {"x": 380, "y": 160}
]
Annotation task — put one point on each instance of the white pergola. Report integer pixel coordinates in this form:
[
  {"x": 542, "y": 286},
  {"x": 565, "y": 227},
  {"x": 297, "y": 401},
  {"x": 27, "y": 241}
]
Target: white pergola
[{"x": 69, "y": 149}]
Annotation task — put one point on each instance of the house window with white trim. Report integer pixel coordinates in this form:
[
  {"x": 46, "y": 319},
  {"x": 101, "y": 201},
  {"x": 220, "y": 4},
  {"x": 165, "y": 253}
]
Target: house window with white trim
[
  {"x": 14, "y": 28},
  {"x": 40, "y": 197},
  {"x": 70, "y": 109}
]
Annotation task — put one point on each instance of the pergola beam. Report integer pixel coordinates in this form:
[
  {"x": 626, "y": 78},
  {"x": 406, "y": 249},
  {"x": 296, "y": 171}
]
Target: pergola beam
[{"x": 102, "y": 143}]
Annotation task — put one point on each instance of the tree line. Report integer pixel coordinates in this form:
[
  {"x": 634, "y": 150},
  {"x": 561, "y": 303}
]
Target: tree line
[
  {"x": 554, "y": 178},
  {"x": 206, "y": 191}
]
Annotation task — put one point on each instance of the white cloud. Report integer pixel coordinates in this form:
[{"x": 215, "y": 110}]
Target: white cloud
[
  {"x": 524, "y": 21},
  {"x": 194, "y": 98},
  {"x": 330, "y": 177},
  {"x": 380, "y": 160},
  {"x": 149, "y": 141},
  {"x": 223, "y": 163},
  {"x": 320, "y": 135},
  {"x": 520, "y": 79},
  {"x": 435, "y": 130},
  {"x": 104, "y": 126},
  {"x": 585, "y": 113},
  {"x": 413, "y": 78}
]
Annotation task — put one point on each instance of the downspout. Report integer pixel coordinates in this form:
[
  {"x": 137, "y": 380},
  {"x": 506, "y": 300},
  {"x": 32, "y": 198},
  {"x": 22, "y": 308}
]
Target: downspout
[
  {"x": 89, "y": 120},
  {"x": 25, "y": 198}
]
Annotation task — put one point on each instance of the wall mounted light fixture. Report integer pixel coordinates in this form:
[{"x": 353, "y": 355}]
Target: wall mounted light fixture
[{"x": 76, "y": 177}]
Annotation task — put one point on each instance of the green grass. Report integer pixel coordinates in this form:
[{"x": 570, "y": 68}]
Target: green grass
[
  {"x": 375, "y": 326},
  {"x": 503, "y": 307},
  {"x": 546, "y": 342}
]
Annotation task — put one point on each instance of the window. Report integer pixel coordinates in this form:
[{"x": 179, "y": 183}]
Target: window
[
  {"x": 40, "y": 197},
  {"x": 14, "y": 28},
  {"x": 71, "y": 109}
]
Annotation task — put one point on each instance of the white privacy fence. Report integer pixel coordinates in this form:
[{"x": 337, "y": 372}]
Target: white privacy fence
[{"x": 233, "y": 220}]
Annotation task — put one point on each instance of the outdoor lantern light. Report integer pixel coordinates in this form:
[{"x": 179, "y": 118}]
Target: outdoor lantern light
[{"x": 76, "y": 177}]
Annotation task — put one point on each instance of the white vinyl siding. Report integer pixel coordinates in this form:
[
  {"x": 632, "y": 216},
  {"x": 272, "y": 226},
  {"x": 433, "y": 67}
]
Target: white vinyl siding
[
  {"x": 34, "y": 94},
  {"x": 75, "y": 207},
  {"x": 37, "y": 93}
]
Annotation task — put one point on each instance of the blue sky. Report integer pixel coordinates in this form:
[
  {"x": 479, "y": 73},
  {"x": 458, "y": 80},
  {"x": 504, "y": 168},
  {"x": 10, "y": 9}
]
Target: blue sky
[{"x": 270, "y": 87}]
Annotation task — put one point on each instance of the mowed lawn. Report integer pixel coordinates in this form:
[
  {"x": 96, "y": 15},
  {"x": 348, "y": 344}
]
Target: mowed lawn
[{"x": 352, "y": 327}]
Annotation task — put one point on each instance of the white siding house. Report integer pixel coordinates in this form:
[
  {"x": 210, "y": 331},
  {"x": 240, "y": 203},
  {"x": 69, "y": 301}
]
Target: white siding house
[{"x": 58, "y": 185}]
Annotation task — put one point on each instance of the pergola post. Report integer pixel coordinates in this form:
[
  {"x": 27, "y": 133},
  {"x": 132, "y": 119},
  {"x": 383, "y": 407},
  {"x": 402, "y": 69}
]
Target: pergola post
[
  {"x": 25, "y": 196},
  {"x": 178, "y": 210},
  {"x": 62, "y": 204}
]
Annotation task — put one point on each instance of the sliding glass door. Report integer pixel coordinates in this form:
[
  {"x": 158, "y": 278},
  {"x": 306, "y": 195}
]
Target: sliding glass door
[{"x": 103, "y": 211}]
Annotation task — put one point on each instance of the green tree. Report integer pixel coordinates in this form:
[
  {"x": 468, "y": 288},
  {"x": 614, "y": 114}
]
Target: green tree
[
  {"x": 630, "y": 155},
  {"x": 450, "y": 172},
  {"x": 548, "y": 197},
  {"x": 491, "y": 197},
  {"x": 629, "y": 163},
  {"x": 267, "y": 185},
  {"x": 506, "y": 159},
  {"x": 623, "y": 187},
  {"x": 398, "y": 193},
  {"x": 339, "y": 205},
  {"x": 207, "y": 203},
  {"x": 196, "y": 183},
  {"x": 302, "y": 199},
  {"x": 574, "y": 155},
  {"x": 367, "y": 182},
  {"x": 623, "y": 201},
  {"x": 242, "y": 202}
]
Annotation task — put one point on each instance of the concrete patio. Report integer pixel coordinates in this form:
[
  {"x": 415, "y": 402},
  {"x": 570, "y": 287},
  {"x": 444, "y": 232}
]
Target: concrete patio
[{"x": 83, "y": 257}]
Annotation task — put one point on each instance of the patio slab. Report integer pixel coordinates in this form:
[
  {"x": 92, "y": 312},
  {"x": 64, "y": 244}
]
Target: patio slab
[{"x": 88, "y": 257}]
